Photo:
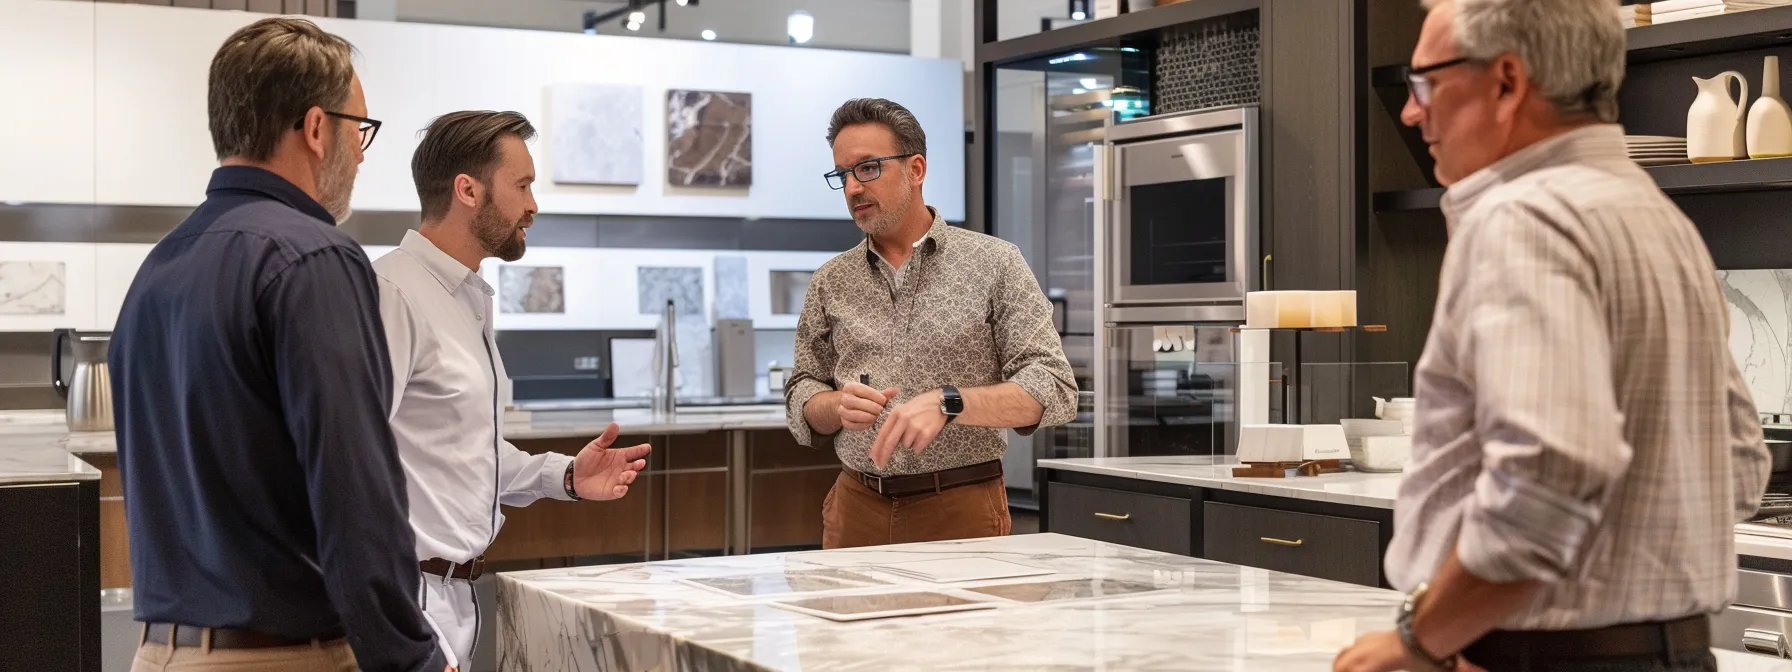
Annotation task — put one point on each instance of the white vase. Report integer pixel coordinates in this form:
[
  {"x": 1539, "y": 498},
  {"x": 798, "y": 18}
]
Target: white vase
[
  {"x": 1769, "y": 120},
  {"x": 1714, "y": 128}
]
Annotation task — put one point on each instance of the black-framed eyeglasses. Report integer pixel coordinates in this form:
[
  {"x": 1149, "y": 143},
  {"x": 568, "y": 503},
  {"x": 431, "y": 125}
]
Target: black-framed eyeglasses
[
  {"x": 368, "y": 128},
  {"x": 863, "y": 171},
  {"x": 1419, "y": 85}
]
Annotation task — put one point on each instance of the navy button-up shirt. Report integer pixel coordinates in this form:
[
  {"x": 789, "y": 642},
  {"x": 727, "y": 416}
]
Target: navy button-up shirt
[{"x": 250, "y": 389}]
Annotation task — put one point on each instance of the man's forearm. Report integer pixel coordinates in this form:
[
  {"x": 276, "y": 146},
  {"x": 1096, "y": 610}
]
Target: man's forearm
[
  {"x": 1459, "y": 607},
  {"x": 822, "y": 412},
  {"x": 1003, "y": 405}
]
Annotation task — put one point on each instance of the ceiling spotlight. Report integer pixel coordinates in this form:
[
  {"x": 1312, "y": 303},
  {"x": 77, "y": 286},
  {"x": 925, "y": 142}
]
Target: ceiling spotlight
[
  {"x": 709, "y": 35},
  {"x": 800, "y": 26},
  {"x": 682, "y": 3},
  {"x": 637, "y": 17},
  {"x": 1078, "y": 16},
  {"x": 633, "y": 25}
]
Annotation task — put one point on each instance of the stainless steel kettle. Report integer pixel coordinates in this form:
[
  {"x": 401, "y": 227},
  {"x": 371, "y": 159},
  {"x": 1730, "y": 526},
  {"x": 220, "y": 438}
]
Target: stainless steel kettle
[{"x": 89, "y": 389}]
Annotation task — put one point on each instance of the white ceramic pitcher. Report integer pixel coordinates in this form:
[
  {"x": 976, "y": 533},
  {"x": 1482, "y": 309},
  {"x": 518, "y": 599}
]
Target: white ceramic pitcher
[{"x": 1714, "y": 124}]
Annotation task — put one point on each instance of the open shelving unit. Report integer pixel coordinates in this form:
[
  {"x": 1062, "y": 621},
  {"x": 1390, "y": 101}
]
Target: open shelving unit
[{"x": 1725, "y": 33}]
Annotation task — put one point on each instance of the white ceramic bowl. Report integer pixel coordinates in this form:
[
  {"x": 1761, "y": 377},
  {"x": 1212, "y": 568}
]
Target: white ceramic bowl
[
  {"x": 1381, "y": 453},
  {"x": 1356, "y": 428}
]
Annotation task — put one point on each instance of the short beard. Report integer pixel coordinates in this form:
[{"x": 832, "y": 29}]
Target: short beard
[
  {"x": 888, "y": 219},
  {"x": 500, "y": 238},
  {"x": 336, "y": 183}
]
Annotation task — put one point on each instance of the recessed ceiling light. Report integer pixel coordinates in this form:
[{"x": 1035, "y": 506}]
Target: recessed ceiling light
[
  {"x": 709, "y": 35},
  {"x": 800, "y": 26},
  {"x": 1078, "y": 16}
]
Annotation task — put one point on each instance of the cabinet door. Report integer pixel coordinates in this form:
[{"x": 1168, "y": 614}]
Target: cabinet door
[
  {"x": 1133, "y": 519},
  {"x": 1326, "y": 547},
  {"x": 45, "y": 595}
]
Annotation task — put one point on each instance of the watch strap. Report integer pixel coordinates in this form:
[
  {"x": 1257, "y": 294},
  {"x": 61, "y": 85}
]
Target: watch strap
[
  {"x": 1410, "y": 639},
  {"x": 571, "y": 493},
  {"x": 951, "y": 402}
]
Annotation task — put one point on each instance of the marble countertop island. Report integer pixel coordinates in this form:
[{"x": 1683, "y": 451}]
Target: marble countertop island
[
  {"x": 1192, "y": 614},
  {"x": 1352, "y": 487}
]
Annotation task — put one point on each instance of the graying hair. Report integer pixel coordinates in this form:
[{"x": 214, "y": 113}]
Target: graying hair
[
  {"x": 1573, "y": 49},
  {"x": 910, "y": 139}
]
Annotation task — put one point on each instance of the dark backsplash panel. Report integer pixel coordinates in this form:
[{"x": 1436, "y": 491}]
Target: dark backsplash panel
[
  {"x": 542, "y": 364},
  {"x": 1212, "y": 63}
]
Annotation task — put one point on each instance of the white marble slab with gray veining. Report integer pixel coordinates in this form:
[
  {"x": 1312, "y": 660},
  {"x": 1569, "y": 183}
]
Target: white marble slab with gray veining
[
  {"x": 42, "y": 464},
  {"x": 1198, "y": 615}
]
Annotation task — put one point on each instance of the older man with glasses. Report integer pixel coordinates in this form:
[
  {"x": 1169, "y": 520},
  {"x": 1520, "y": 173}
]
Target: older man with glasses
[
  {"x": 916, "y": 350},
  {"x": 1584, "y": 442}
]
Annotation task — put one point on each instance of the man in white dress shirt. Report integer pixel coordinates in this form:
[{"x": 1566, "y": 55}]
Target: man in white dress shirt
[{"x": 473, "y": 173}]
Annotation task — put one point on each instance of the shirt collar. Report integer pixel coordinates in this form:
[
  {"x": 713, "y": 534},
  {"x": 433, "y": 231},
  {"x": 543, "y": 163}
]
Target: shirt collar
[
  {"x": 930, "y": 242},
  {"x": 445, "y": 269},
  {"x": 1599, "y": 143},
  {"x": 266, "y": 183}
]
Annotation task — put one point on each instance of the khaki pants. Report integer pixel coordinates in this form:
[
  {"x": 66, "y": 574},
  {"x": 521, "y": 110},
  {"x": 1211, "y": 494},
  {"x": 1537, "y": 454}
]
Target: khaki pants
[
  {"x": 854, "y": 515},
  {"x": 316, "y": 657}
]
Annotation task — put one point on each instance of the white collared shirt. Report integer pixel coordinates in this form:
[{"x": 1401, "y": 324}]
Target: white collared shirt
[{"x": 447, "y": 407}]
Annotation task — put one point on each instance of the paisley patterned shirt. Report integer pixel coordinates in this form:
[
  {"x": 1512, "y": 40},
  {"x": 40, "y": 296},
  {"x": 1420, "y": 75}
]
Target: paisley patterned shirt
[{"x": 966, "y": 313}]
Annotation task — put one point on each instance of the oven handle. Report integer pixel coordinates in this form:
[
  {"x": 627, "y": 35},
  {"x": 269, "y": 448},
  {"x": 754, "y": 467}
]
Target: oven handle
[{"x": 1769, "y": 642}]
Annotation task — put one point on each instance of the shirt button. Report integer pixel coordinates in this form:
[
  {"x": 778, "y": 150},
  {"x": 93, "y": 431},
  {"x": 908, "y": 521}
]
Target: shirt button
[{"x": 898, "y": 360}]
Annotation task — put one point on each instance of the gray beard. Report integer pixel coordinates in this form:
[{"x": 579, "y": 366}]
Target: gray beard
[
  {"x": 886, "y": 221},
  {"x": 336, "y": 184}
]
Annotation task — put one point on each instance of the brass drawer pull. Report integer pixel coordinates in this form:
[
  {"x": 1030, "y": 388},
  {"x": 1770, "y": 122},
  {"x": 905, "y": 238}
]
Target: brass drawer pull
[
  {"x": 1283, "y": 542},
  {"x": 1110, "y": 516}
]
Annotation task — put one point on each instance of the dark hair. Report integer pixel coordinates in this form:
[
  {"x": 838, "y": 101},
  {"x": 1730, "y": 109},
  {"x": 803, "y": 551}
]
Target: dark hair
[
  {"x": 910, "y": 139},
  {"x": 461, "y": 143},
  {"x": 266, "y": 77}
]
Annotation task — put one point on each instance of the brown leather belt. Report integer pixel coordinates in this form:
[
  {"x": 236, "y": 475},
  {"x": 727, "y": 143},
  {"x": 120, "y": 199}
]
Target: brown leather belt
[
  {"x": 936, "y": 481},
  {"x": 193, "y": 636},
  {"x": 470, "y": 571},
  {"x": 1507, "y": 649}
]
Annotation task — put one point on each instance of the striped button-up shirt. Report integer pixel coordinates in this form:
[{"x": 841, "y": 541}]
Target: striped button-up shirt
[
  {"x": 1580, "y": 420},
  {"x": 964, "y": 310}
]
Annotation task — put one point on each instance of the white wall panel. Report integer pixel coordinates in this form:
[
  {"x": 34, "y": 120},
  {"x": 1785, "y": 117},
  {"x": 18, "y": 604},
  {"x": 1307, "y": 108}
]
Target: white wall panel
[
  {"x": 46, "y": 101},
  {"x": 151, "y": 145}
]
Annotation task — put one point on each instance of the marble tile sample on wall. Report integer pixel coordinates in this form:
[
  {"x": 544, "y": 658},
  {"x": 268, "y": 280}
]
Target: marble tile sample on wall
[
  {"x": 683, "y": 285},
  {"x": 789, "y": 288},
  {"x": 1761, "y": 333},
  {"x": 731, "y": 289},
  {"x": 33, "y": 288},
  {"x": 709, "y": 139},
  {"x": 597, "y": 134},
  {"x": 532, "y": 289}
]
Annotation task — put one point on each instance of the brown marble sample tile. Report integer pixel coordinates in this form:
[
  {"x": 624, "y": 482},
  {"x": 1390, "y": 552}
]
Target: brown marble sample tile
[{"x": 709, "y": 139}]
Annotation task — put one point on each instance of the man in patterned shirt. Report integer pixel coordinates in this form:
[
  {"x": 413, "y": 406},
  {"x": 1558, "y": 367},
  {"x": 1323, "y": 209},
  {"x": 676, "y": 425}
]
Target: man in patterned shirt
[
  {"x": 1584, "y": 443},
  {"x": 915, "y": 350}
]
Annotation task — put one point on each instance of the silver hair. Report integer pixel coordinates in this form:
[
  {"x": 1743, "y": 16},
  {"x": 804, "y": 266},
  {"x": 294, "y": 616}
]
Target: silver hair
[{"x": 1573, "y": 49}]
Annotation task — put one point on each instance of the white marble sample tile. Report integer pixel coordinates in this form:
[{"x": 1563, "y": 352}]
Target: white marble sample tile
[
  {"x": 1761, "y": 333},
  {"x": 709, "y": 139},
  {"x": 731, "y": 288},
  {"x": 532, "y": 289},
  {"x": 1206, "y": 617},
  {"x": 33, "y": 288},
  {"x": 597, "y": 134},
  {"x": 46, "y": 286},
  {"x": 682, "y": 285}
]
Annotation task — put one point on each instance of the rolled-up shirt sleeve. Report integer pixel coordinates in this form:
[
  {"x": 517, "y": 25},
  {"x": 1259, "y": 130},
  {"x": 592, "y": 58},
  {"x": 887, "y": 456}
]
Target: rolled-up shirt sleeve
[
  {"x": 814, "y": 369},
  {"x": 1535, "y": 343},
  {"x": 1028, "y": 347}
]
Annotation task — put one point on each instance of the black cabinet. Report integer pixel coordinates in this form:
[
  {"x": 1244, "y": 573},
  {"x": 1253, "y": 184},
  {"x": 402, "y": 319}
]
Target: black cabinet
[
  {"x": 1134, "y": 519},
  {"x": 50, "y": 589},
  {"x": 1327, "y": 547}
]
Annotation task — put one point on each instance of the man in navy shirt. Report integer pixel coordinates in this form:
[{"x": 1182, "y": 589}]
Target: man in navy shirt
[{"x": 251, "y": 382}]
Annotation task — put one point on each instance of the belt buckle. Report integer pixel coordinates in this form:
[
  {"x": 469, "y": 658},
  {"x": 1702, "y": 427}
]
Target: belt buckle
[
  {"x": 478, "y": 568},
  {"x": 880, "y": 483}
]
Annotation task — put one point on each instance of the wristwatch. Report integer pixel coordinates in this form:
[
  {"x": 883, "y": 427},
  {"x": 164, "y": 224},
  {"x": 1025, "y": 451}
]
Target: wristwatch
[
  {"x": 951, "y": 403},
  {"x": 567, "y": 483},
  {"x": 1410, "y": 640}
]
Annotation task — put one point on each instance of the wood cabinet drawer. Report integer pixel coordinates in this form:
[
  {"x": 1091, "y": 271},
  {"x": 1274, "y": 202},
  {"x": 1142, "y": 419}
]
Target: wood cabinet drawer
[
  {"x": 1131, "y": 518},
  {"x": 1327, "y": 547}
]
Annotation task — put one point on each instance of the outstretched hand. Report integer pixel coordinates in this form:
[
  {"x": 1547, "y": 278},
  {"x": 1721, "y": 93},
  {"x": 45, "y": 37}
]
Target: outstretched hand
[{"x": 601, "y": 472}]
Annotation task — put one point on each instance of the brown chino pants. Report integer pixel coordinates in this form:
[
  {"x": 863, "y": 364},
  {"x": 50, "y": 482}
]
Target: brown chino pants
[
  {"x": 854, "y": 515},
  {"x": 332, "y": 656}
]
